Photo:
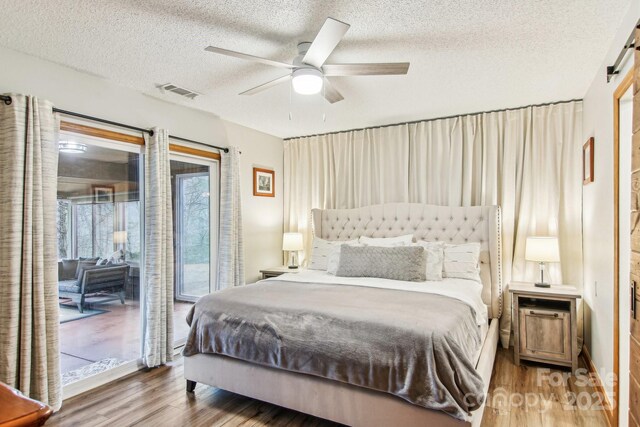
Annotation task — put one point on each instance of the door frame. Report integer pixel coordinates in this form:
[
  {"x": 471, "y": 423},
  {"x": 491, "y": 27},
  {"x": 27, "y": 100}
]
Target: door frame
[
  {"x": 105, "y": 138},
  {"x": 214, "y": 210},
  {"x": 625, "y": 84}
]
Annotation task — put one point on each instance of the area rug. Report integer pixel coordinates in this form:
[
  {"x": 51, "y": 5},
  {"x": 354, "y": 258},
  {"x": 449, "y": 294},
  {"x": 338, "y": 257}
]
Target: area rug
[
  {"x": 91, "y": 369},
  {"x": 69, "y": 313}
]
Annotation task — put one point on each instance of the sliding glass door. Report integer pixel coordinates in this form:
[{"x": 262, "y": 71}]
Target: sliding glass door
[
  {"x": 193, "y": 235},
  {"x": 100, "y": 235},
  {"x": 195, "y": 210}
]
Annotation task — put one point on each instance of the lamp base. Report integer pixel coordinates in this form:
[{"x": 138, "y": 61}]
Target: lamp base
[
  {"x": 293, "y": 260},
  {"x": 542, "y": 285}
]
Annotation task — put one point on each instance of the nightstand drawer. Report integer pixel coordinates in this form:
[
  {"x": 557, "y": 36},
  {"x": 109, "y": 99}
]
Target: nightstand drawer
[{"x": 545, "y": 334}]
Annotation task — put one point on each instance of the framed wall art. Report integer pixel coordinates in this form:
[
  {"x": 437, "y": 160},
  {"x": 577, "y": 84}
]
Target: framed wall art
[{"x": 264, "y": 181}]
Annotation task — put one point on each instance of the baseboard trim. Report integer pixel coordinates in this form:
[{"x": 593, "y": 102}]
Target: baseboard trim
[{"x": 610, "y": 412}]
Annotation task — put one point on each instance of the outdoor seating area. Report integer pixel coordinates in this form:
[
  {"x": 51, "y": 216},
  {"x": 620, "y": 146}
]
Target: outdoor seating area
[{"x": 82, "y": 278}]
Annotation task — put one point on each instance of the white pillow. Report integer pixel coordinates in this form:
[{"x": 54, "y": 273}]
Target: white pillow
[
  {"x": 434, "y": 254},
  {"x": 320, "y": 251},
  {"x": 405, "y": 240},
  {"x": 334, "y": 257},
  {"x": 116, "y": 257},
  {"x": 462, "y": 261}
]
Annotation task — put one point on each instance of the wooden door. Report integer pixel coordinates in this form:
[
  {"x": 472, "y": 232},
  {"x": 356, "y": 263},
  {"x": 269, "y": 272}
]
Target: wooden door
[{"x": 634, "y": 356}]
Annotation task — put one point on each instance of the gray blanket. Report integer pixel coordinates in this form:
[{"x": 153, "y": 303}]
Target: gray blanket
[{"x": 416, "y": 346}]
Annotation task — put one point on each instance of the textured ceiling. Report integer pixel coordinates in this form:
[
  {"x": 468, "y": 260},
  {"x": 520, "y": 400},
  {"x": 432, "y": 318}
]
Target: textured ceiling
[{"x": 466, "y": 56}]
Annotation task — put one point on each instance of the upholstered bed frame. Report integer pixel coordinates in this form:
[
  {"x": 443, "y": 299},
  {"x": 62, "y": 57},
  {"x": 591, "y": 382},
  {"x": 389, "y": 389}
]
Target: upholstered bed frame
[{"x": 357, "y": 406}]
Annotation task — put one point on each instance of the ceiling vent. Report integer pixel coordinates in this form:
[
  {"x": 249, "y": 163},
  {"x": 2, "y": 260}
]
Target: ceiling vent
[{"x": 170, "y": 87}]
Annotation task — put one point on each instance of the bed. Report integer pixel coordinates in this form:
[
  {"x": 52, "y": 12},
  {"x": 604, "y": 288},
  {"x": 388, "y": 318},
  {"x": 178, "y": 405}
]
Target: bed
[{"x": 314, "y": 380}]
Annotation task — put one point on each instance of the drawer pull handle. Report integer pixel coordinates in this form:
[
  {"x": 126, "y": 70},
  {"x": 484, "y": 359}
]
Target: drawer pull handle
[{"x": 543, "y": 314}]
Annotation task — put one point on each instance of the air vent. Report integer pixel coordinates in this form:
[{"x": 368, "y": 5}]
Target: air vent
[{"x": 170, "y": 87}]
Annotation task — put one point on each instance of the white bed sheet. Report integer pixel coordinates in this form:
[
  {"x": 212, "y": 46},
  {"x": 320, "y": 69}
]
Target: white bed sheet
[{"x": 467, "y": 291}]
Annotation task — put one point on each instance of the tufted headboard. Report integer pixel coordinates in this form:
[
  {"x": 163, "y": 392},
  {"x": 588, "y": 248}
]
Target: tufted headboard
[{"x": 426, "y": 222}]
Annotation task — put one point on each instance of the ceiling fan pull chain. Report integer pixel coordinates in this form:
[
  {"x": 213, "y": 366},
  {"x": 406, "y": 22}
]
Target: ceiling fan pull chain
[{"x": 324, "y": 104}]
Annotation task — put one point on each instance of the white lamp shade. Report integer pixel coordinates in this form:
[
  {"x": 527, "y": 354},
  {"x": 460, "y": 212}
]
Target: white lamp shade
[
  {"x": 542, "y": 249},
  {"x": 292, "y": 242},
  {"x": 119, "y": 237}
]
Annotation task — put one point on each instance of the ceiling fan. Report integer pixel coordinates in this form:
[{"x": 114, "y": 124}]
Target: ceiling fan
[{"x": 308, "y": 71}]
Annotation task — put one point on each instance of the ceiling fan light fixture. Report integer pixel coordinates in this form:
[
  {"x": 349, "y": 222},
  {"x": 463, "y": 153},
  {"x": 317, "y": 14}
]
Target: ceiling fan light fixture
[
  {"x": 307, "y": 81},
  {"x": 71, "y": 147}
]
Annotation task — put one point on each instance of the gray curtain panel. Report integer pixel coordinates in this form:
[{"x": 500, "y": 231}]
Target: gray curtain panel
[
  {"x": 29, "y": 345},
  {"x": 158, "y": 252},
  {"x": 230, "y": 240}
]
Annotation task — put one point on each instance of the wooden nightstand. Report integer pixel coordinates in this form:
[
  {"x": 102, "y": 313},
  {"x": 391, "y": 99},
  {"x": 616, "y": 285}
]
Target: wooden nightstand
[
  {"x": 545, "y": 324},
  {"x": 277, "y": 271}
]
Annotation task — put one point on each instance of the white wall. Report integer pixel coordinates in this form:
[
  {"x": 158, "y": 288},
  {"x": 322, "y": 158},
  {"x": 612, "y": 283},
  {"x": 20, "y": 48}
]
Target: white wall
[
  {"x": 598, "y": 212},
  {"x": 262, "y": 216},
  {"x": 72, "y": 90}
]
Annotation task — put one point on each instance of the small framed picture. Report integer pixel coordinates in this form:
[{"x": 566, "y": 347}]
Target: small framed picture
[
  {"x": 587, "y": 162},
  {"x": 264, "y": 181},
  {"x": 103, "y": 194}
]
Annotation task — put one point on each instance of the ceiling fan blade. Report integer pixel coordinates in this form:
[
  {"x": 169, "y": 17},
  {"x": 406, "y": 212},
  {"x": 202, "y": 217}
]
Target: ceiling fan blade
[
  {"x": 267, "y": 85},
  {"x": 326, "y": 40},
  {"x": 248, "y": 57},
  {"x": 390, "y": 68},
  {"x": 330, "y": 93}
]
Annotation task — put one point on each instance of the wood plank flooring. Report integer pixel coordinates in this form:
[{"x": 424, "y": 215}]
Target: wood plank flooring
[{"x": 158, "y": 398}]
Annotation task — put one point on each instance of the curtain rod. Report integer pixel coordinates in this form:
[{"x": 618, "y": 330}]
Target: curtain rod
[
  {"x": 434, "y": 119},
  {"x": 7, "y": 100},
  {"x": 612, "y": 70}
]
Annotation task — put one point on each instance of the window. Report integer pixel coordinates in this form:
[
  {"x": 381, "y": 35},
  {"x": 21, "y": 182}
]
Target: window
[
  {"x": 93, "y": 229},
  {"x": 132, "y": 229},
  {"x": 63, "y": 224}
]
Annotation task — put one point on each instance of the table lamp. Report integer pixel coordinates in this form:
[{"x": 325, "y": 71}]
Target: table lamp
[
  {"x": 292, "y": 242},
  {"x": 542, "y": 250}
]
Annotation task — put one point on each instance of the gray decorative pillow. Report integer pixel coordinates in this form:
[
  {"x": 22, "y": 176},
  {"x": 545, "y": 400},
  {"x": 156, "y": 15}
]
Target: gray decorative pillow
[
  {"x": 334, "y": 257},
  {"x": 406, "y": 263},
  {"x": 434, "y": 254}
]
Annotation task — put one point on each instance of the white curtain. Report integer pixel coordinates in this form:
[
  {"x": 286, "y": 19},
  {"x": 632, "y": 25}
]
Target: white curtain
[
  {"x": 29, "y": 345},
  {"x": 230, "y": 240},
  {"x": 343, "y": 170},
  {"x": 158, "y": 252},
  {"x": 528, "y": 161}
]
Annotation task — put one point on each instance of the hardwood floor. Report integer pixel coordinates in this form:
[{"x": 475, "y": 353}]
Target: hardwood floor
[
  {"x": 158, "y": 398},
  {"x": 114, "y": 334},
  {"x": 539, "y": 395}
]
